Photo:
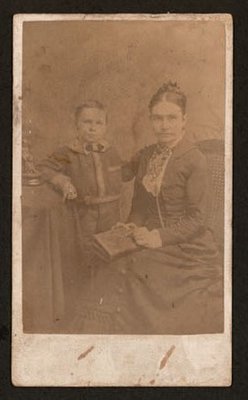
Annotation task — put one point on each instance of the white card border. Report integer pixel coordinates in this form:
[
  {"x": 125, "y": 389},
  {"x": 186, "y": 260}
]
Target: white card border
[{"x": 44, "y": 360}]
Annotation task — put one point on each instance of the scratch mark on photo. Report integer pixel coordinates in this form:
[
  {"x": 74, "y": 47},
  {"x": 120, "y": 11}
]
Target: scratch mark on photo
[
  {"x": 85, "y": 353},
  {"x": 166, "y": 357}
]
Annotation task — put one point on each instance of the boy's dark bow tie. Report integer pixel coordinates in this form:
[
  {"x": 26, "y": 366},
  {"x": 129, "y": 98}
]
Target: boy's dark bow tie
[
  {"x": 98, "y": 147},
  {"x": 101, "y": 146}
]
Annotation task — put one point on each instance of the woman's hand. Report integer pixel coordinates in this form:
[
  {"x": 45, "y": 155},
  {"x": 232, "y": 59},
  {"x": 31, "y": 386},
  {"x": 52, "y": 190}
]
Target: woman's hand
[
  {"x": 150, "y": 239},
  {"x": 69, "y": 191},
  {"x": 126, "y": 229}
]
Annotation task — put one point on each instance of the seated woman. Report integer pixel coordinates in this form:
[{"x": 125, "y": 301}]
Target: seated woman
[{"x": 173, "y": 283}]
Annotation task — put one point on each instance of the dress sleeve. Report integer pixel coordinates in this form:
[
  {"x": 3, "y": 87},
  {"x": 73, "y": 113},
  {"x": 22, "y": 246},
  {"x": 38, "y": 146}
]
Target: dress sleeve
[
  {"x": 196, "y": 197},
  {"x": 138, "y": 209},
  {"x": 138, "y": 213},
  {"x": 54, "y": 168},
  {"x": 130, "y": 168}
]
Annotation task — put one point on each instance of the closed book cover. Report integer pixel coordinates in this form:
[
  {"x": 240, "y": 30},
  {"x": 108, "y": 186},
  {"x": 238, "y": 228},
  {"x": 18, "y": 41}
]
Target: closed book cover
[{"x": 115, "y": 242}]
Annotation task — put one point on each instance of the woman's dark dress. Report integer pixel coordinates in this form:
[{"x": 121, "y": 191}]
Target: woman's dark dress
[{"x": 175, "y": 289}]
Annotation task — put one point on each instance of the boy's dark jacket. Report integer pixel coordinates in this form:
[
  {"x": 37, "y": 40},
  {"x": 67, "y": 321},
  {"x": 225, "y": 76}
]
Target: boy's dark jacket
[{"x": 95, "y": 175}]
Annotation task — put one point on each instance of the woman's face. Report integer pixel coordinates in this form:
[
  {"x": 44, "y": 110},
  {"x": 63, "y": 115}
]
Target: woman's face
[
  {"x": 91, "y": 124},
  {"x": 168, "y": 122}
]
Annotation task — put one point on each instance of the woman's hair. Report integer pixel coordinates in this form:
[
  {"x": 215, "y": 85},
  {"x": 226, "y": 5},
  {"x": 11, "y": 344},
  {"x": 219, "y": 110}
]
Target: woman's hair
[
  {"x": 171, "y": 92},
  {"x": 89, "y": 104}
]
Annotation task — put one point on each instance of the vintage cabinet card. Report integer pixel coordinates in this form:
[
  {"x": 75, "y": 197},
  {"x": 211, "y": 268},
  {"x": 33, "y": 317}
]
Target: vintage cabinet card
[{"x": 122, "y": 180}]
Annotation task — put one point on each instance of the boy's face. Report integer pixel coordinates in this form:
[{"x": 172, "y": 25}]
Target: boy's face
[{"x": 91, "y": 124}]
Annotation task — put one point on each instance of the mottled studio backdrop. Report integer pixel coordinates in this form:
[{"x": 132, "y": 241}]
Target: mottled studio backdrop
[{"x": 120, "y": 63}]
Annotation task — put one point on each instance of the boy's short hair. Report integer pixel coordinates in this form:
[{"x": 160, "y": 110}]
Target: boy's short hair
[{"x": 89, "y": 104}]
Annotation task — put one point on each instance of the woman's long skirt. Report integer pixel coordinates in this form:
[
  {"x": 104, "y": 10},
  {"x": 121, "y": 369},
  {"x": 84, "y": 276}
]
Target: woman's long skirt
[{"x": 173, "y": 290}]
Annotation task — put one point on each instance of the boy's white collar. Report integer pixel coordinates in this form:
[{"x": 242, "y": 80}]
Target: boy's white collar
[{"x": 78, "y": 146}]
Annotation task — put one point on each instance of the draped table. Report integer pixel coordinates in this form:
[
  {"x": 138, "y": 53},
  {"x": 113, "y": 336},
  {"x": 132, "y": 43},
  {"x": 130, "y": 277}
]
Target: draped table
[{"x": 50, "y": 259}]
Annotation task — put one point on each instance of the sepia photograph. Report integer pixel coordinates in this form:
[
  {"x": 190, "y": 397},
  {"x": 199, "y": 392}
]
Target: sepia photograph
[{"x": 122, "y": 200}]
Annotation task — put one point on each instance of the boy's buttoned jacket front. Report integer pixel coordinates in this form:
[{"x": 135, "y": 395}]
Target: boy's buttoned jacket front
[{"x": 95, "y": 175}]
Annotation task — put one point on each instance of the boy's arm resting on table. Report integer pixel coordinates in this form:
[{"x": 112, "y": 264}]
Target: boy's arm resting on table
[
  {"x": 194, "y": 220},
  {"x": 53, "y": 169}
]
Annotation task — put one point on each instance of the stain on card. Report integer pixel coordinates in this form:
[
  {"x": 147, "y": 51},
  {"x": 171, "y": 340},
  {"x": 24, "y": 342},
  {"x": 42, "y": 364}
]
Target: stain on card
[
  {"x": 85, "y": 353},
  {"x": 166, "y": 357}
]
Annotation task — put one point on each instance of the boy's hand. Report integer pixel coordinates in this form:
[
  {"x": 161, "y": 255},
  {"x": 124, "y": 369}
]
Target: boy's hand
[{"x": 69, "y": 191}]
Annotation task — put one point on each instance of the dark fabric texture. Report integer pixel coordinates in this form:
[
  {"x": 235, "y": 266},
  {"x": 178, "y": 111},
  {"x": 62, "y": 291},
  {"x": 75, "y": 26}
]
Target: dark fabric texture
[
  {"x": 176, "y": 289},
  {"x": 80, "y": 169},
  {"x": 57, "y": 255}
]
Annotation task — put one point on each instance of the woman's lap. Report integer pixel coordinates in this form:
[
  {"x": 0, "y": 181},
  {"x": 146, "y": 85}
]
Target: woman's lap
[{"x": 152, "y": 292}]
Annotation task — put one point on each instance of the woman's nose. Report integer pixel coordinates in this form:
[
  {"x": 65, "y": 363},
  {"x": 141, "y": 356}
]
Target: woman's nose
[{"x": 165, "y": 123}]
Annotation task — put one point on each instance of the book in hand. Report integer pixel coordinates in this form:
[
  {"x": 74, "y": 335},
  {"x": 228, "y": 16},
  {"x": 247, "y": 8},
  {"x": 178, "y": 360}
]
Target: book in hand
[{"x": 115, "y": 242}]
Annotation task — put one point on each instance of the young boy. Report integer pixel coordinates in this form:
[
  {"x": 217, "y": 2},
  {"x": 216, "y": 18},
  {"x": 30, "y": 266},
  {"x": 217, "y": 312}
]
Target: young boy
[{"x": 87, "y": 172}]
